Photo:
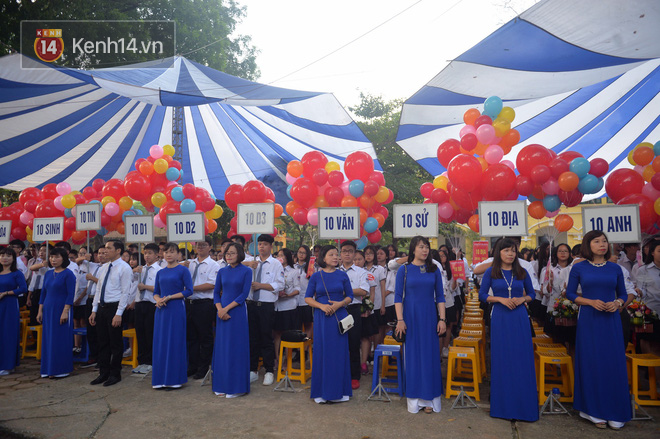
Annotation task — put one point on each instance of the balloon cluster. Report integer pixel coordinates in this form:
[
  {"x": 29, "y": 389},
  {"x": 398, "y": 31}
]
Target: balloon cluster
[
  {"x": 253, "y": 191},
  {"x": 640, "y": 185},
  {"x": 316, "y": 182},
  {"x": 152, "y": 187}
]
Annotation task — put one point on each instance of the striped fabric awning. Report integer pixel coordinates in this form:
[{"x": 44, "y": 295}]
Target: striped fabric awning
[
  {"x": 73, "y": 125},
  {"x": 581, "y": 76}
]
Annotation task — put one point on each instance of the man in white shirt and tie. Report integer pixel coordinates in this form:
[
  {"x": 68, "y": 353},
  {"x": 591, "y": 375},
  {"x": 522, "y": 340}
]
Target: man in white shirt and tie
[
  {"x": 360, "y": 286},
  {"x": 92, "y": 280},
  {"x": 200, "y": 311},
  {"x": 110, "y": 300},
  {"x": 39, "y": 269},
  {"x": 268, "y": 282}
]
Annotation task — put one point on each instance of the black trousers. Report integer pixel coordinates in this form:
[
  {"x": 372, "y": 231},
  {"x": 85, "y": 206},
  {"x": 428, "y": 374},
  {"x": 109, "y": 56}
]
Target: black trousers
[
  {"x": 92, "y": 336},
  {"x": 111, "y": 343},
  {"x": 261, "y": 316},
  {"x": 200, "y": 315},
  {"x": 144, "y": 330},
  {"x": 34, "y": 308},
  {"x": 625, "y": 326},
  {"x": 354, "y": 336}
]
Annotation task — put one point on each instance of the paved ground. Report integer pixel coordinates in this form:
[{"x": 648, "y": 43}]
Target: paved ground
[{"x": 70, "y": 408}]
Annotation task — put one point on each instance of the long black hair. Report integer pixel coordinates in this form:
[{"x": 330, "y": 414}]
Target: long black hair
[
  {"x": 543, "y": 257},
  {"x": 430, "y": 266},
  {"x": 555, "y": 259},
  {"x": 10, "y": 251},
  {"x": 308, "y": 254},
  {"x": 288, "y": 256},
  {"x": 516, "y": 269}
]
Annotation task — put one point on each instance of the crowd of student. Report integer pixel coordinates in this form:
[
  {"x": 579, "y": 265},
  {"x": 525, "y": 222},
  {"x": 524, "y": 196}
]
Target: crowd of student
[{"x": 227, "y": 310}]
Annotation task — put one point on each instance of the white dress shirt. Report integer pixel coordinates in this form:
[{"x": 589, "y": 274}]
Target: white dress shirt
[
  {"x": 291, "y": 284},
  {"x": 37, "y": 281},
  {"x": 207, "y": 273},
  {"x": 94, "y": 269},
  {"x": 358, "y": 278},
  {"x": 272, "y": 273},
  {"x": 648, "y": 280},
  {"x": 150, "y": 280},
  {"x": 374, "y": 275},
  {"x": 117, "y": 288},
  {"x": 302, "y": 281}
]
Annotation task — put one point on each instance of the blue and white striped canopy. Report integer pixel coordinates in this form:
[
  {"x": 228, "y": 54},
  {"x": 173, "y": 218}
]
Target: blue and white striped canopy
[
  {"x": 72, "y": 125},
  {"x": 581, "y": 76}
]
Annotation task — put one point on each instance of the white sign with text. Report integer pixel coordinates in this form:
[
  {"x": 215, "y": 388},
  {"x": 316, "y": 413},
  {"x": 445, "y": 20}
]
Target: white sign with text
[
  {"x": 415, "y": 219},
  {"x": 339, "y": 223},
  {"x": 620, "y": 223},
  {"x": 185, "y": 227},
  {"x": 48, "y": 229},
  {"x": 503, "y": 218}
]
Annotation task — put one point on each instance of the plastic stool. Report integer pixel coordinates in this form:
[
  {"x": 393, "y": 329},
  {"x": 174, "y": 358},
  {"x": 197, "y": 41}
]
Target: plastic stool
[
  {"x": 36, "y": 353},
  {"x": 473, "y": 315},
  {"x": 460, "y": 354},
  {"x": 473, "y": 320},
  {"x": 543, "y": 338},
  {"x": 381, "y": 354},
  {"x": 565, "y": 386},
  {"x": 301, "y": 374},
  {"x": 83, "y": 356},
  {"x": 474, "y": 334},
  {"x": 133, "y": 359},
  {"x": 551, "y": 373},
  {"x": 477, "y": 345},
  {"x": 644, "y": 360},
  {"x": 630, "y": 349}
]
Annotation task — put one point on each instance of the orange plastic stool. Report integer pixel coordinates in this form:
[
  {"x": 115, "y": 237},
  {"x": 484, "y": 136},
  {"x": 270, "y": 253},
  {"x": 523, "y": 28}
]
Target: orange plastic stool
[
  {"x": 301, "y": 374},
  {"x": 458, "y": 355},
  {"x": 133, "y": 359}
]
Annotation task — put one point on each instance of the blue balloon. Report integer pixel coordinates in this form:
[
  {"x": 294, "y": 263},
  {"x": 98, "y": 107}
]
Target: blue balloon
[
  {"x": 252, "y": 248},
  {"x": 156, "y": 209},
  {"x": 532, "y": 198},
  {"x": 356, "y": 188},
  {"x": 551, "y": 203},
  {"x": 288, "y": 191},
  {"x": 656, "y": 148},
  {"x": 181, "y": 174},
  {"x": 95, "y": 201},
  {"x": 127, "y": 213},
  {"x": 172, "y": 174},
  {"x": 187, "y": 206},
  {"x": 177, "y": 194},
  {"x": 103, "y": 231},
  {"x": 588, "y": 184},
  {"x": 601, "y": 184},
  {"x": 580, "y": 166},
  {"x": 68, "y": 213},
  {"x": 362, "y": 242},
  {"x": 371, "y": 225},
  {"x": 492, "y": 107}
]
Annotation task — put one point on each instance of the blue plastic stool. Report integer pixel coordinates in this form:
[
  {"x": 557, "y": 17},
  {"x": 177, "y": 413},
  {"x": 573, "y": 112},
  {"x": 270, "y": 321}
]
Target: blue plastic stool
[
  {"x": 395, "y": 352},
  {"x": 83, "y": 356}
]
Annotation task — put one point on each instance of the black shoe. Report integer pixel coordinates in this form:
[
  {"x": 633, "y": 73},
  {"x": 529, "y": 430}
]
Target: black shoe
[
  {"x": 200, "y": 375},
  {"x": 191, "y": 372},
  {"x": 111, "y": 381},
  {"x": 100, "y": 379}
]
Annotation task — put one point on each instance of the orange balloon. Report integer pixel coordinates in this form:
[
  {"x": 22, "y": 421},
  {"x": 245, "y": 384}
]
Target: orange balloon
[
  {"x": 473, "y": 223},
  {"x": 382, "y": 195},
  {"x": 294, "y": 168},
  {"x": 363, "y": 216},
  {"x": 121, "y": 228},
  {"x": 648, "y": 173},
  {"x": 321, "y": 202},
  {"x": 78, "y": 235},
  {"x": 470, "y": 116},
  {"x": 380, "y": 218},
  {"x": 568, "y": 181},
  {"x": 454, "y": 204},
  {"x": 643, "y": 155},
  {"x": 167, "y": 158},
  {"x": 125, "y": 203},
  {"x": 146, "y": 168},
  {"x": 480, "y": 148},
  {"x": 656, "y": 164},
  {"x": 349, "y": 201},
  {"x": 291, "y": 207},
  {"x": 366, "y": 201},
  {"x": 537, "y": 192},
  {"x": 536, "y": 210},
  {"x": 212, "y": 225},
  {"x": 563, "y": 222},
  {"x": 483, "y": 162},
  {"x": 510, "y": 139},
  {"x": 278, "y": 210}
]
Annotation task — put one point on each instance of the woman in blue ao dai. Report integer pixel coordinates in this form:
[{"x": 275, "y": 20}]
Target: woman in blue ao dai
[
  {"x": 231, "y": 353},
  {"x": 513, "y": 389},
  {"x": 601, "y": 378},
  {"x": 12, "y": 285},
  {"x": 329, "y": 293}
]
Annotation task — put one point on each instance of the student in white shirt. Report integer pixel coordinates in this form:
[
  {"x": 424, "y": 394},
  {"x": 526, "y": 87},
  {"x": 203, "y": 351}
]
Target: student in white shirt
[
  {"x": 286, "y": 313},
  {"x": 145, "y": 308},
  {"x": 39, "y": 269},
  {"x": 91, "y": 278},
  {"x": 375, "y": 276},
  {"x": 79, "y": 258},
  {"x": 305, "y": 312}
]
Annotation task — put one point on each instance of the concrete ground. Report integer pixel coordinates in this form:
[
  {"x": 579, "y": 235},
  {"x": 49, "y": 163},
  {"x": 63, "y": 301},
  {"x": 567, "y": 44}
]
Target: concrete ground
[{"x": 71, "y": 408}]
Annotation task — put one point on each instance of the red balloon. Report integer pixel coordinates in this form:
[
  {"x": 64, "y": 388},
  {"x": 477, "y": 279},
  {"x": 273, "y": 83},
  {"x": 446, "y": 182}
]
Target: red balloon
[
  {"x": 647, "y": 215},
  {"x": 557, "y": 167},
  {"x": 571, "y": 198},
  {"x": 358, "y": 166},
  {"x": 378, "y": 177},
  {"x": 371, "y": 188},
  {"x": 138, "y": 187},
  {"x": 300, "y": 216},
  {"x": 439, "y": 196},
  {"x": 312, "y": 161},
  {"x": 469, "y": 141},
  {"x": 374, "y": 237},
  {"x": 50, "y": 191},
  {"x": 655, "y": 181},
  {"x": 530, "y": 157},
  {"x": 46, "y": 209},
  {"x": 390, "y": 197},
  {"x": 483, "y": 120},
  {"x": 138, "y": 162},
  {"x": 524, "y": 185},
  {"x": 70, "y": 223},
  {"x": 497, "y": 183},
  {"x": 335, "y": 178},
  {"x": 30, "y": 193},
  {"x": 19, "y": 233},
  {"x": 426, "y": 189},
  {"x": 320, "y": 177},
  {"x": 98, "y": 184},
  {"x": 115, "y": 188},
  {"x": 464, "y": 172},
  {"x": 568, "y": 156},
  {"x": 159, "y": 182},
  {"x": 233, "y": 196},
  {"x": 254, "y": 191},
  {"x": 447, "y": 151},
  {"x": 599, "y": 167},
  {"x": 175, "y": 164},
  {"x": 540, "y": 174},
  {"x": 270, "y": 195},
  {"x": 465, "y": 199},
  {"x": 207, "y": 204},
  {"x": 89, "y": 192},
  {"x": 189, "y": 190},
  {"x": 304, "y": 192},
  {"x": 623, "y": 182},
  {"x": 333, "y": 195},
  {"x": 30, "y": 205},
  {"x": 462, "y": 216}
]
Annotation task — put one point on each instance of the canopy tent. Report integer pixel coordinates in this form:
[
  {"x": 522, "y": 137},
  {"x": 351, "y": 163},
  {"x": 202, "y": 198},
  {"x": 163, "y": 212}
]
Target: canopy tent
[
  {"x": 581, "y": 76},
  {"x": 59, "y": 124}
]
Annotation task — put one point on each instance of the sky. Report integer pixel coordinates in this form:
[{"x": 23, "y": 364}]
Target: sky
[{"x": 409, "y": 43}]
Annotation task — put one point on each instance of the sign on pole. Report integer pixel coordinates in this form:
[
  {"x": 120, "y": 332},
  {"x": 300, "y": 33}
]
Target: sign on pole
[
  {"x": 185, "y": 227},
  {"x": 88, "y": 216},
  {"x": 620, "y": 223},
  {"x": 255, "y": 218},
  {"x": 503, "y": 218},
  {"x": 479, "y": 251},
  {"x": 5, "y": 232},
  {"x": 48, "y": 229},
  {"x": 139, "y": 228},
  {"x": 415, "y": 219},
  {"x": 339, "y": 223}
]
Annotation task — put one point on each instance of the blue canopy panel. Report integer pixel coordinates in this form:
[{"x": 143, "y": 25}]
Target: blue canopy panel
[
  {"x": 582, "y": 76},
  {"x": 75, "y": 126}
]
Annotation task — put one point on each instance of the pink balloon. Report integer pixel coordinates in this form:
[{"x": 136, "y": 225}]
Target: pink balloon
[
  {"x": 486, "y": 134},
  {"x": 509, "y": 163},
  {"x": 467, "y": 129},
  {"x": 493, "y": 153},
  {"x": 26, "y": 217},
  {"x": 58, "y": 203},
  {"x": 647, "y": 190},
  {"x": 156, "y": 151},
  {"x": 313, "y": 216},
  {"x": 551, "y": 187},
  {"x": 639, "y": 169},
  {"x": 172, "y": 184},
  {"x": 63, "y": 188},
  {"x": 552, "y": 214},
  {"x": 344, "y": 187},
  {"x": 158, "y": 222},
  {"x": 112, "y": 209},
  {"x": 445, "y": 210},
  {"x": 289, "y": 178}
]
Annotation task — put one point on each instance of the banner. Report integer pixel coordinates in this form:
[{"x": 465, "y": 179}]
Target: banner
[
  {"x": 479, "y": 251},
  {"x": 310, "y": 267},
  {"x": 457, "y": 269}
]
